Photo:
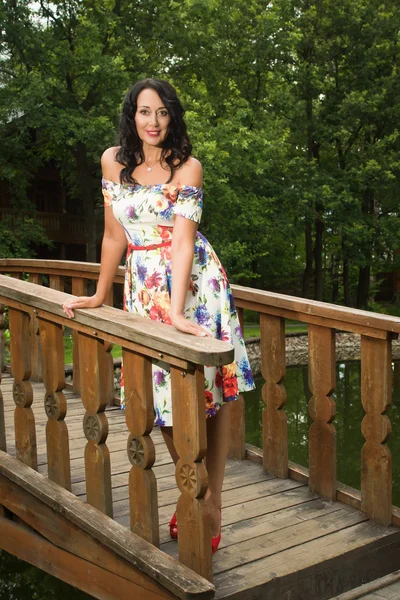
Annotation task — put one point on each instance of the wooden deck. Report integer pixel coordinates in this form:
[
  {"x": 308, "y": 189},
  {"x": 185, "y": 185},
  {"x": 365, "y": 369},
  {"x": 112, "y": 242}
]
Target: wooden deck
[{"x": 279, "y": 541}]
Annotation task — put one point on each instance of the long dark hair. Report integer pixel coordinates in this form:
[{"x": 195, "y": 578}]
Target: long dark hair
[{"x": 176, "y": 146}]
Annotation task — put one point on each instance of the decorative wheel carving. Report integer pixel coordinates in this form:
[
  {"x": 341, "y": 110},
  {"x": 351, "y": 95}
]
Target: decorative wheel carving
[
  {"x": 188, "y": 477},
  {"x": 91, "y": 427},
  {"x": 136, "y": 452},
  {"x": 51, "y": 406},
  {"x": 22, "y": 394},
  {"x": 18, "y": 394}
]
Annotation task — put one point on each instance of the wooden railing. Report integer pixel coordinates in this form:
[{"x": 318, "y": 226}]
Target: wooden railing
[
  {"x": 33, "y": 308},
  {"x": 376, "y": 331}
]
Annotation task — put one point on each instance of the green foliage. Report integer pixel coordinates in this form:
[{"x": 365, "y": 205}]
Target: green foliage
[
  {"x": 19, "y": 235},
  {"x": 293, "y": 107}
]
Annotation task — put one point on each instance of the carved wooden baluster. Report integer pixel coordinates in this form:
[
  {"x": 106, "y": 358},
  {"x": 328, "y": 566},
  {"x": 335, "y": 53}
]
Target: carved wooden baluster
[
  {"x": 189, "y": 418},
  {"x": 273, "y": 369},
  {"x": 79, "y": 288},
  {"x": 2, "y": 340},
  {"x": 322, "y": 410},
  {"x": 55, "y": 403},
  {"x": 237, "y": 442},
  {"x": 109, "y": 301},
  {"x": 36, "y": 359},
  {"x": 139, "y": 415},
  {"x": 95, "y": 423},
  {"x": 24, "y": 420},
  {"x": 376, "y": 458}
]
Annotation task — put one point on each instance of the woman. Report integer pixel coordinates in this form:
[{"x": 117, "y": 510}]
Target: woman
[{"x": 153, "y": 201}]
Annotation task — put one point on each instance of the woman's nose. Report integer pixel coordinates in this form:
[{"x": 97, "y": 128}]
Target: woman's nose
[{"x": 154, "y": 119}]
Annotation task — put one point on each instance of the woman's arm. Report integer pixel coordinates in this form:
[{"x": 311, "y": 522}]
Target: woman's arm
[
  {"x": 113, "y": 245},
  {"x": 183, "y": 239}
]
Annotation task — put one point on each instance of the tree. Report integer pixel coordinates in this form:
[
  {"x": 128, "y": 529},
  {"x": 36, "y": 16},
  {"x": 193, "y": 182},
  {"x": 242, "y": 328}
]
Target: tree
[{"x": 64, "y": 67}]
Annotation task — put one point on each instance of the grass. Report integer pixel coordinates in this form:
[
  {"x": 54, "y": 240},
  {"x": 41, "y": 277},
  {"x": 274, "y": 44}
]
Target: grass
[
  {"x": 68, "y": 346},
  {"x": 253, "y": 330}
]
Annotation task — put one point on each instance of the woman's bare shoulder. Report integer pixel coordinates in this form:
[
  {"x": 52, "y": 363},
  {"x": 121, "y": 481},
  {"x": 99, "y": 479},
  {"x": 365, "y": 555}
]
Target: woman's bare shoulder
[
  {"x": 191, "y": 173},
  {"x": 109, "y": 165}
]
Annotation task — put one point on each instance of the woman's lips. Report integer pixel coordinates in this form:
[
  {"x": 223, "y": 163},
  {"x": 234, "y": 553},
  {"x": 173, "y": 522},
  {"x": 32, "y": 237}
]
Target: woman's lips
[{"x": 153, "y": 133}]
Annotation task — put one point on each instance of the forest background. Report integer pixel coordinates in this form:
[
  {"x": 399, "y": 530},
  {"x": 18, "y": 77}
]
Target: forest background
[{"x": 293, "y": 107}]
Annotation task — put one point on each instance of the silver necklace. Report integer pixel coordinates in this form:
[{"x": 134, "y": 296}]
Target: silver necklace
[{"x": 150, "y": 168}]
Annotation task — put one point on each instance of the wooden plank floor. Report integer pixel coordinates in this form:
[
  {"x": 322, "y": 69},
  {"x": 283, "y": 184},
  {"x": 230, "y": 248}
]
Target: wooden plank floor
[{"x": 278, "y": 539}]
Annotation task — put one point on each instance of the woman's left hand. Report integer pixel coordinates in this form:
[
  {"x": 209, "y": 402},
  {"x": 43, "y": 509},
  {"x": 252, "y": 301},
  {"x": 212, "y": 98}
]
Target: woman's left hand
[{"x": 182, "y": 324}]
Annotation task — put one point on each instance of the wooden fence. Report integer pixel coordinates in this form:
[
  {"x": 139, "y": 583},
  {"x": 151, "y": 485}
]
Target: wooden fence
[{"x": 376, "y": 331}]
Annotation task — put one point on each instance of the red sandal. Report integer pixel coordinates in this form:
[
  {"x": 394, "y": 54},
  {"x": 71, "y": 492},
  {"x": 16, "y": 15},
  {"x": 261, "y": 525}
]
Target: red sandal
[
  {"x": 215, "y": 541},
  {"x": 173, "y": 527}
]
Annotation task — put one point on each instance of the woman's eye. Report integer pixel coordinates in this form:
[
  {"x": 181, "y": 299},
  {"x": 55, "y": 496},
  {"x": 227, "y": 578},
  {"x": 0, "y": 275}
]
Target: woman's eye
[
  {"x": 163, "y": 113},
  {"x": 144, "y": 112}
]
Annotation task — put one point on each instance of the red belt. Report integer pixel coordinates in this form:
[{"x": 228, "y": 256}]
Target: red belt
[{"x": 132, "y": 248}]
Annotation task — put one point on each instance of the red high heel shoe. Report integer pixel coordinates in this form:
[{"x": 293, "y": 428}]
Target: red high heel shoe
[
  {"x": 215, "y": 541},
  {"x": 173, "y": 527}
]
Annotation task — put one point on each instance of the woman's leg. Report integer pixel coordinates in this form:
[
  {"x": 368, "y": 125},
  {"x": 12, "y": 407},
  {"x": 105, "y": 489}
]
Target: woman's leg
[
  {"x": 167, "y": 434},
  {"x": 218, "y": 429}
]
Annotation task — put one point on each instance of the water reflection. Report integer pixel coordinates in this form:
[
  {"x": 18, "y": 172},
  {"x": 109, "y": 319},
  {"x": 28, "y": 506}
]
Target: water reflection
[{"x": 349, "y": 414}]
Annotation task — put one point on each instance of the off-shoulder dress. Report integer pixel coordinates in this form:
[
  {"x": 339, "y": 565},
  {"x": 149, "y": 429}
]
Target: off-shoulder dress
[{"x": 147, "y": 214}]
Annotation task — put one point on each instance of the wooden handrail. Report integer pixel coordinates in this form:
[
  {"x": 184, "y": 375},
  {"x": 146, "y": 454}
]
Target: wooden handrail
[
  {"x": 182, "y": 582},
  {"x": 119, "y": 327},
  {"x": 290, "y": 307}
]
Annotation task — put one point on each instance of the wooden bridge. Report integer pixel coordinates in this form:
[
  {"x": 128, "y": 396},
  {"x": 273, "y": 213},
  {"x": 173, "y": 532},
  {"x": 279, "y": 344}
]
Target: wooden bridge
[{"x": 91, "y": 504}]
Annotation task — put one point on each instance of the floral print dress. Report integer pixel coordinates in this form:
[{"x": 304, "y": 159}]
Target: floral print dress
[{"x": 147, "y": 214}]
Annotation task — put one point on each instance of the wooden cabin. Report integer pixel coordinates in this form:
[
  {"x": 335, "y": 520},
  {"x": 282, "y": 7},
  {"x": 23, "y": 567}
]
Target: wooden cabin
[
  {"x": 60, "y": 216},
  {"x": 87, "y": 491}
]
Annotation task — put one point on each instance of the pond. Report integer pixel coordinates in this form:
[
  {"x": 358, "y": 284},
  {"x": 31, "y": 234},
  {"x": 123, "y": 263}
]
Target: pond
[
  {"x": 20, "y": 581},
  {"x": 349, "y": 414}
]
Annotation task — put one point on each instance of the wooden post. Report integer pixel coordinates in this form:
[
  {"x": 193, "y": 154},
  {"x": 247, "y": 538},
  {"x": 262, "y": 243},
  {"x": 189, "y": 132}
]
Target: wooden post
[
  {"x": 24, "y": 420},
  {"x": 376, "y": 458},
  {"x": 79, "y": 288},
  {"x": 36, "y": 359},
  {"x": 237, "y": 410},
  {"x": 56, "y": 282},
  {"x": 139, "y": 415},
  {"x": 2, "y": 340},
  {"x": 190, "y": 440},
  {"x": 273, "y": 369},
  {"x": 95, "y": 423},
  {"x": 51, "y": 336},
  {"x": 109, "y": 301},
  {"x": 322, "y": 410},
  {"x": 3, "y": 439}
]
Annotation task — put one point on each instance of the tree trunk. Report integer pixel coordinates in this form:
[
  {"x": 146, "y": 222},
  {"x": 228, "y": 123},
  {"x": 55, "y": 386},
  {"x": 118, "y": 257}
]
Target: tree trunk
[
  {"x": 87, "y": 199},
  {"x": 308, "y": 271},
  {"x": 364, "y": 276},
  {"x": 346, "y": 282},
  {"x": 364, "y": 273},
  {"x": 335, "y": 279},
  {"x": 318, "y": 248}
]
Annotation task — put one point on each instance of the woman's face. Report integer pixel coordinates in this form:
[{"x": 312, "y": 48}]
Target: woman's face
[{"x": 151, "y": 118}]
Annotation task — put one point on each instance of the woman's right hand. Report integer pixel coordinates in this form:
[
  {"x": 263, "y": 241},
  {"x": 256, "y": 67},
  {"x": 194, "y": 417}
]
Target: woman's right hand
[{"x": 80, "y": 302}]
